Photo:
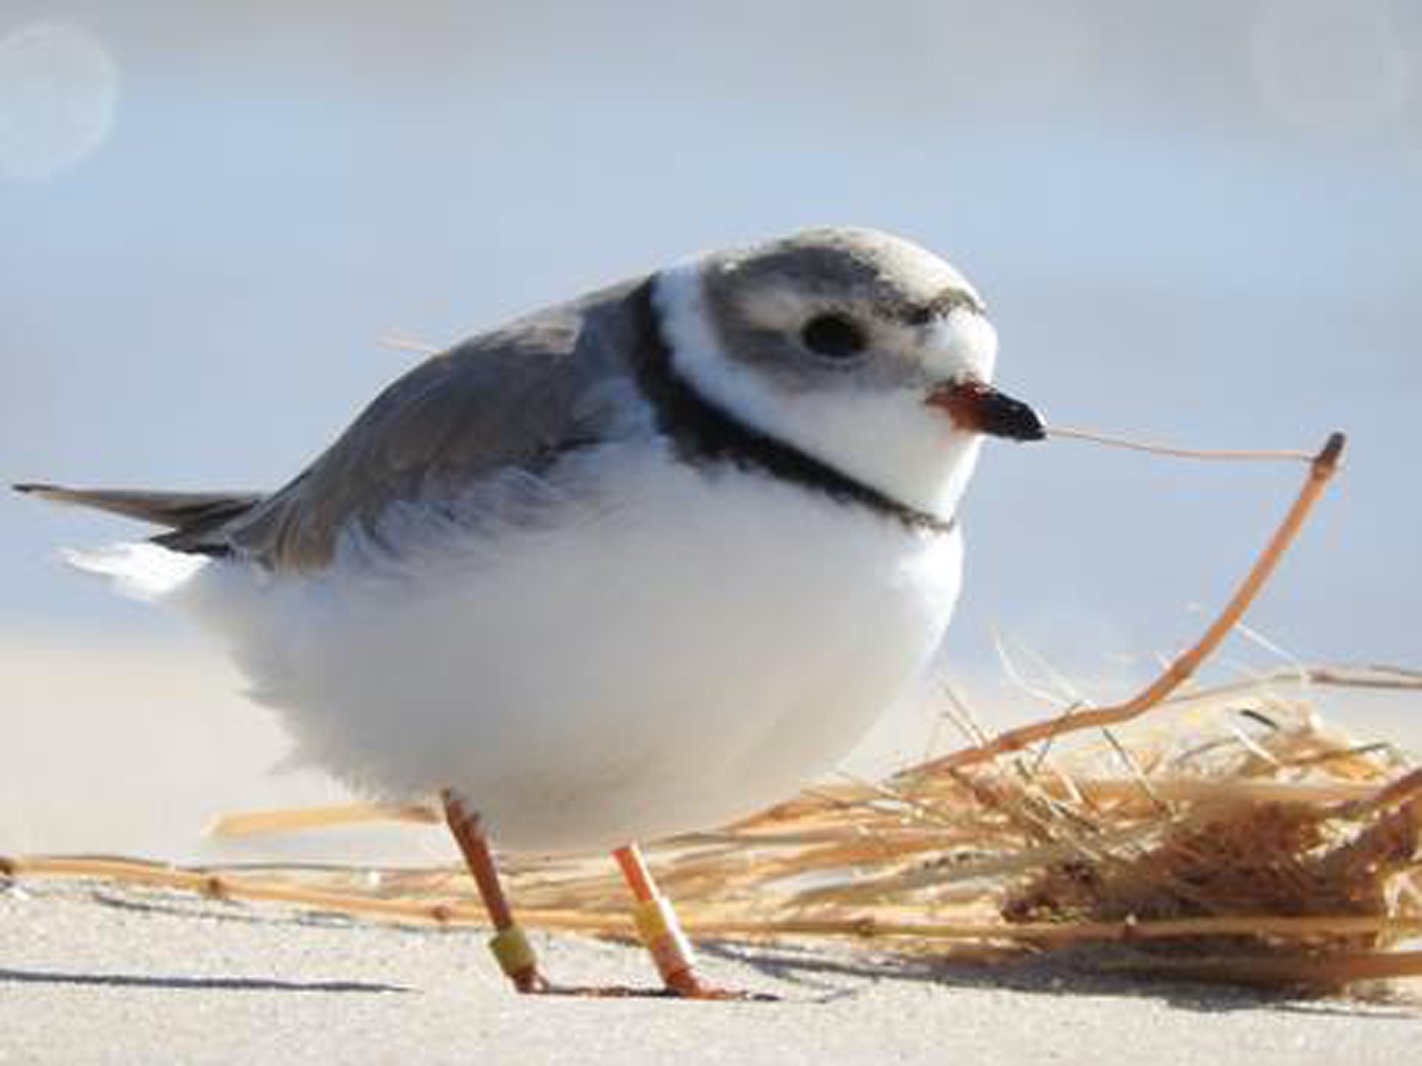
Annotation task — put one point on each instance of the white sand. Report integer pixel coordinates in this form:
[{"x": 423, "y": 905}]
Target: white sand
[{"x": 125, "y": 977}]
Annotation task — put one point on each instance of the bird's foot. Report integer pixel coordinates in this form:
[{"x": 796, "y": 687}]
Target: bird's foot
[
  {"x": 531, "y": 982},
  {"x": 680, "y": 986},
  {"x": 687, "y": 984}
]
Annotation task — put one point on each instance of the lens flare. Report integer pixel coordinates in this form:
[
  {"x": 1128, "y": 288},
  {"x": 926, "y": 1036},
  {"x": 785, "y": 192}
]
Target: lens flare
[{"x": 58, "y": 94}]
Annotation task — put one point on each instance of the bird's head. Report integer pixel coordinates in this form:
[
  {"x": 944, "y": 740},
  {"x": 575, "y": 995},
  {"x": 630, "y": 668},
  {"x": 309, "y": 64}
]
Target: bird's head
[{"x": 861, "y": 349}]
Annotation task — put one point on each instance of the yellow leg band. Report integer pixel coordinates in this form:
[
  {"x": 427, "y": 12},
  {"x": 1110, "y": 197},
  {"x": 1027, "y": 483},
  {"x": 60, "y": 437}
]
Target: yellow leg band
[
  {"x": 660, "y": 931},
  {"x": 511, "y": 947}
]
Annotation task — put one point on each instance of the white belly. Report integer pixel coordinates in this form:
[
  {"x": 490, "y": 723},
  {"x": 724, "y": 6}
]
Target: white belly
[{"x": 692, "y": 649}]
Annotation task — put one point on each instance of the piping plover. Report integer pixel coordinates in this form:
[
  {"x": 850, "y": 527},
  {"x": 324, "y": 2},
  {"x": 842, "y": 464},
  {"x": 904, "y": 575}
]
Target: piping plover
[{"x": 636, "y": 564}]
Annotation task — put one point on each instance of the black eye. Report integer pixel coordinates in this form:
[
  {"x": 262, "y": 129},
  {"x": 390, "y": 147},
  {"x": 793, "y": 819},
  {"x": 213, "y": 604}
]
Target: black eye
[{"x": 833, "y": 336}]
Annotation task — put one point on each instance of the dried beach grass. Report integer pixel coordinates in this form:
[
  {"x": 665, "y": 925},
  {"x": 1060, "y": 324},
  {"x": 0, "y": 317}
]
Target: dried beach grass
[{"x": 1221, "y": 834}]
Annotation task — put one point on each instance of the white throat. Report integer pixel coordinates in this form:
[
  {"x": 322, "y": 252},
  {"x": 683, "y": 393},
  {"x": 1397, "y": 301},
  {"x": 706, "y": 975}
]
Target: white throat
[{"x": 891, "y": 441}]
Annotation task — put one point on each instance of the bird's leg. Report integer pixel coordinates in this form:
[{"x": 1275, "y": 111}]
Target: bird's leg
[
  {"x": 655, "y": 919},
  {"x": 662, "y": 934},
  {"x": 509, "y": 943}
]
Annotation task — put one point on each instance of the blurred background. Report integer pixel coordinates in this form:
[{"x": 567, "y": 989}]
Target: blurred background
[{"x": 1194, "y": 221}]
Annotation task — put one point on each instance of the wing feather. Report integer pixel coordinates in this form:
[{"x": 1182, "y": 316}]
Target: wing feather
[{"x": 517, "y": 397}]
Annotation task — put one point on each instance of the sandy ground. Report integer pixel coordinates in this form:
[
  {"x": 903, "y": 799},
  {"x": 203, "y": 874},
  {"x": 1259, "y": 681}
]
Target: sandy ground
[{"x": 104, "y": 975}]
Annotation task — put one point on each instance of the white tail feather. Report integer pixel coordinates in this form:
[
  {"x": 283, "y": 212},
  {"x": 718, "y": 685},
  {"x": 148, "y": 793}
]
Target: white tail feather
[{"x": 143, "y": 571}]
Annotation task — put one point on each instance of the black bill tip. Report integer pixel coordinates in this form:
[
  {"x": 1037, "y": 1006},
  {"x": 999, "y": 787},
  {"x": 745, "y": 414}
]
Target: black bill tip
[{"x": 979, "y": 407}]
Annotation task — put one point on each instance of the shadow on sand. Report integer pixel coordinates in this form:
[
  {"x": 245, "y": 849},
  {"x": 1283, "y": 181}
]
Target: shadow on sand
[
  {"x": 201, "y": 984},
  {"x": 829, "y": 977}
]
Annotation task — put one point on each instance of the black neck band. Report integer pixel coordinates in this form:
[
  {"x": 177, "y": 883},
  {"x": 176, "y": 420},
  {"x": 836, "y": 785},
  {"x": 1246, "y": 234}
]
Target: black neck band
[{"x": 704, "y": 432}]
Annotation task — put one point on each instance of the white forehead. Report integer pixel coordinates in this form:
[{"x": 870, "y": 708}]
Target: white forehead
[{"x": 962, "y": 341}]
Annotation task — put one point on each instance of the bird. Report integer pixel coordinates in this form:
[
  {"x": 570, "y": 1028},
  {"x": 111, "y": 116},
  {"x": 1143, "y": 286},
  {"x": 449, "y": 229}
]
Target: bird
[{"x": 640, "y": 563}]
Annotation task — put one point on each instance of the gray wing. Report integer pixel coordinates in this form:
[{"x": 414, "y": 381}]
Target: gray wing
[{"x": 516, "y": 397}]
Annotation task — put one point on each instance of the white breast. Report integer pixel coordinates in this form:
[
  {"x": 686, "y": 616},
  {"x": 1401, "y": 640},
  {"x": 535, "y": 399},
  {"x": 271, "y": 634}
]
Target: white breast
[{"x": 690, "y": 649}]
